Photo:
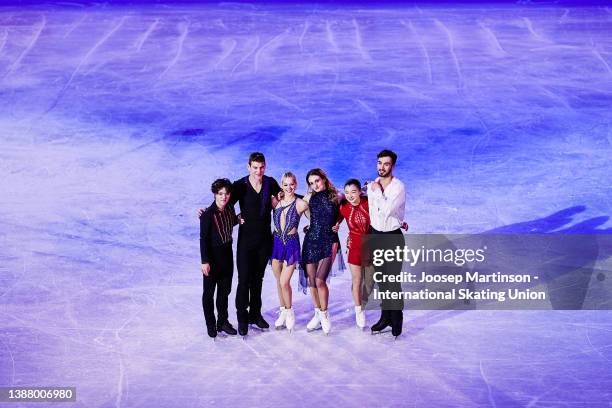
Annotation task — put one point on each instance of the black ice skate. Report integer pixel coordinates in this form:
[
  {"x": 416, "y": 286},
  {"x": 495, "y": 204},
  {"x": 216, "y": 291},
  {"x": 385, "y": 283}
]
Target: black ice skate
[
  {"x": 226, "y": 328},
  {"x": 382, "y": 323},
  {"x": 212, "y": 331},
  {"x": 259, "y": 322},
  {"x": 243, "y": 329}
]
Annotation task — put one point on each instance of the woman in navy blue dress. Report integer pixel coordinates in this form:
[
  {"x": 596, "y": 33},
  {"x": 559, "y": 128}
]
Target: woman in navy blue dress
[{"x": 317, "y": 249}]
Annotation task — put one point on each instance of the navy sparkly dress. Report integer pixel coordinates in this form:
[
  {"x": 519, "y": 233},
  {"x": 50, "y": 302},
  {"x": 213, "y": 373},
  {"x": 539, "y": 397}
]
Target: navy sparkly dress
[{"x": 320, "y": 237}]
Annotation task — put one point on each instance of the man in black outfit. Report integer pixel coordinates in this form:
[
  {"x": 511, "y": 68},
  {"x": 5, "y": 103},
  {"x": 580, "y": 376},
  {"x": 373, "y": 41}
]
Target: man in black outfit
[
  {"x": 254, "y": 193},
  {"x": 216, "y": 224}
]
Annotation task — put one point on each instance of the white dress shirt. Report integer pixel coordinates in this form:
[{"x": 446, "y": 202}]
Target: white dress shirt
[{"x": 387, "y": 207}]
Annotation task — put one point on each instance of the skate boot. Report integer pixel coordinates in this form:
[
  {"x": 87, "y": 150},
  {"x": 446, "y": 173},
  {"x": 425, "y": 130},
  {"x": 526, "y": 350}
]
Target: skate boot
[
  {"x": 243, "y": 329},
  {"x": 397, "y": 319},
  {"x": 212, "y": 330},
  {"x": 360, "y": 319},
  {"x": 325, "y": 322},
  {"x": 315, "y": 322},
  {"x": 282, "y": 316},
  {"x": 226, "y": 328},
  {"x": 290, "y": 319},
  {"x": 260, "y": 322},
  {"x": 383, "y": 322}
]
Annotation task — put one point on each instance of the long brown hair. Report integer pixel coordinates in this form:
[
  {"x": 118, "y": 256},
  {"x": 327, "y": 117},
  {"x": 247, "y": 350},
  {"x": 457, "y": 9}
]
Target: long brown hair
[{"x": 329, "y": 186}]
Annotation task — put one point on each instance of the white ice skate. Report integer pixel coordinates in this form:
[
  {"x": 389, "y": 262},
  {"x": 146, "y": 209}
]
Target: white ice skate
[
  {"x": 325, "y": 322},
  {"x": 282, "y": 316},
  {"x": 290, "y": 322},
  {"x": 315, "y": 322},
  {"x": 360, "y": 318}
]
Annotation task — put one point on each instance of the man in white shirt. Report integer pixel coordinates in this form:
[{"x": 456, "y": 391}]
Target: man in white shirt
[{"x": 387, "y": 201}]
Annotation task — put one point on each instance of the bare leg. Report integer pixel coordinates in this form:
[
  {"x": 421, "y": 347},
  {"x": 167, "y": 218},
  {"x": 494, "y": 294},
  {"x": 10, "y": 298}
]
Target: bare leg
[
  {"x": 335, "y": 247},
  {"x": 277, "y": 268},
  {"x": 356, "y": 283},
  {"x": 285, "y": 283}
]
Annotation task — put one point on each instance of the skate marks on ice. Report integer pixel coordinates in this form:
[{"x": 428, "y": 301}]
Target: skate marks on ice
[
  {"x": 138, "y": 45},
  {"x": 455, "y": 59},
  {"x": 184, "y": 30},
  {"x": 423, "y": 49},
  {"x": 38, "y": 29},
  {"x": 84, "y": 61}
]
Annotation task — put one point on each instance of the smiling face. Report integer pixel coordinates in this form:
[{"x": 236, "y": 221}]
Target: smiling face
[
  {"x": 352, "y": 194},
  {"x": 221, "y": 198},
  {"x": 316, "y": 183},
  {"x": 289, "y": 184},
  {"x": 257, "y": 169},
  {"x": 384, "y": 166}
]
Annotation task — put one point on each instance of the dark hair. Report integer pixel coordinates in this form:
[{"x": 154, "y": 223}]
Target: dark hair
[
  {"x": 388, "y": 153},
  {"x": 329, "y": 186},
  {"x": 257, "y": 157},
  {"x": 219, "y": 184},
  {"x": 353, "y": 182}
]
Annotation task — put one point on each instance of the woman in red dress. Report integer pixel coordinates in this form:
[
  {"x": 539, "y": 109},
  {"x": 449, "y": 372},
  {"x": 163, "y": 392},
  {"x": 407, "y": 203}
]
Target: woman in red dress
[{"x": 354, "y": 208}]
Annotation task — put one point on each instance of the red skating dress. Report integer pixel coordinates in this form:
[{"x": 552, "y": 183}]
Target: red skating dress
[{"x": 358, "y": 221}]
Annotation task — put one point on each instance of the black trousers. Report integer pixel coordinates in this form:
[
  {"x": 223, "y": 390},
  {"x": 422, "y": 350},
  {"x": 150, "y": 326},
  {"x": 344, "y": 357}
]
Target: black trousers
[
  {"x": 390, "y": 240},
  {"x": 220, "y": 277},
  {"x": 251, "y": 261}
]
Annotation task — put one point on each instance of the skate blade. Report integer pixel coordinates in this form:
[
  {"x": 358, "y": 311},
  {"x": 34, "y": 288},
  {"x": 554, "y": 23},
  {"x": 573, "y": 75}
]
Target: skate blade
[{"x": 380, "y": 331}]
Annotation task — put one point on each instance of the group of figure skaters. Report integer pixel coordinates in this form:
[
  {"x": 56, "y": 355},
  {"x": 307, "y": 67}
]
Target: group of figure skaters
[{"x": 262, "y": 201}]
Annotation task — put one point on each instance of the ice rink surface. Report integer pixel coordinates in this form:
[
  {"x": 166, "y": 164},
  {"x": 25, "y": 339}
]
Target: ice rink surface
[{"x": 114, "y": 120}]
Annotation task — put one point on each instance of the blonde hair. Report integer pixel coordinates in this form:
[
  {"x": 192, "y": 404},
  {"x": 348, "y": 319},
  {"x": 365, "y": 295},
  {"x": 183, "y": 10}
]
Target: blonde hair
[{"x": 290, "y": 175}]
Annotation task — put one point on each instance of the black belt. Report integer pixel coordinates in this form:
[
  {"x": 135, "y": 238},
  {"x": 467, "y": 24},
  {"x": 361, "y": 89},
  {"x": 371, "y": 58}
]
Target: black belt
[{"x": 375, "y": 231}]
